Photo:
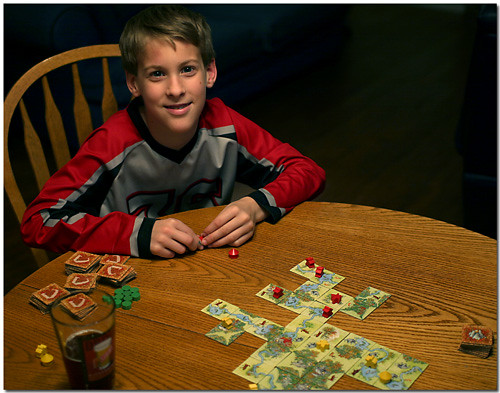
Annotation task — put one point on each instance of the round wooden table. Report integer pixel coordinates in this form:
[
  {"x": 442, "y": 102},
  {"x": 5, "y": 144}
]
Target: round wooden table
[{"x": 440, "y": 277}]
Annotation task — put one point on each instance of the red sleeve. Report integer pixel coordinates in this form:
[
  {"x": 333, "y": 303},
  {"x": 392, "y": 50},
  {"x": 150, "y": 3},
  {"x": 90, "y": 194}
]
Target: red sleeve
[
  {"x": 59, "y": 219},
  {"x": 284, "y": 177}
]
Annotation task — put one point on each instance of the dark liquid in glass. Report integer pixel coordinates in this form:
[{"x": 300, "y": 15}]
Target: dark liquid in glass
[{"x": 73, "y": 361}]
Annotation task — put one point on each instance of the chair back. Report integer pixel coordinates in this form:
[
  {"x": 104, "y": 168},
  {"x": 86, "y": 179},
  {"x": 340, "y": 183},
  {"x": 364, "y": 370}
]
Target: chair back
[{"x": 55, "y": 135}]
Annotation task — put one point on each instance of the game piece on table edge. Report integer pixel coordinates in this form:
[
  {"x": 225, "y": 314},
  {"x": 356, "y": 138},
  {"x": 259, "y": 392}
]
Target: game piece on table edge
[
  {"x": 124, "y": 297},
  {"x": 476, "y": 340},
  {"x": 47, "y": 360},
  {"x": 233, "y": 253},
  {"x": 45, "y": 297},
  {"x": 253, "y": 386},
  {"x": 40, "y": 350},
  {"x": 385, "y": 377},
  {"x": 82, "y": 262},
  {"x": 126, "y": 304}
]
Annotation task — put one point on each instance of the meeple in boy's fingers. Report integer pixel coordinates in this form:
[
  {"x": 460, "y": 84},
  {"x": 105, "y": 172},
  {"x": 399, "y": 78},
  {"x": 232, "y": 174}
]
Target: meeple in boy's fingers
[
  {"x": 218, "y": 227},
  {"x": 215, "y": 235},
  {"x": 186, "y": 236},
  {"x": 187, "y": 240}
]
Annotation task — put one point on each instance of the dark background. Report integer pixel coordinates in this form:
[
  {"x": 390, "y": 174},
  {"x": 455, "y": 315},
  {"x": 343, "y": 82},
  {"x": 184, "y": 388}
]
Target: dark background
[{"x": 397, "y": 103}]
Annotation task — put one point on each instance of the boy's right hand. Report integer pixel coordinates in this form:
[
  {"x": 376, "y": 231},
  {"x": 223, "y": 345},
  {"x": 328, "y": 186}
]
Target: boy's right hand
[{"x": 171, "y": 236}]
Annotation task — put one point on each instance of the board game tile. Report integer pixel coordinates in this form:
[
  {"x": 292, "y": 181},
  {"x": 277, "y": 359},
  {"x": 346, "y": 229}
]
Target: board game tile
[
  {"x": 83, "y": 260},
  {"x": 294, "y": 338},
  {"x": 267, "y": 294},
  {"x": 405, "y": 371},
  {"x": 309, "y": 323},
  {"x": 278, "y": 379},
  {"x": 326, "y": 299},
  {"x": 107, "y": 258},
  {"x": 219, "y": 309},
  {"x": 296, "y": 365},
  {"x": 316, "y": 309},
  {"x": 264, "y": 328},
  {"x": 303, "y": 270},
  {"x": 114, "y": 271},
  {"x": 328, "y": 279},
  {"x": 476, "y": 334},
  {"x": 272, "y": 352},
  {"x": 350, "y": 350},
  {"x": 323, "y": 375},
  {"x": 310, "y": 290},
  {"x": 253, "y": 369},
  {"x": 293, "y": 303},
  {"x": 365, "y": 303},
  {"x": 81, "y": 281},
  {"x": 248, "y": 318},
  {"x": 79, "y": 305},
  {"x": 226, "y": 335},
  {"x": 385, "y": 359},
  {"x": 329, "y": 333},
  {"x": 50, "y": 294},
  {"x": 304, "y": 296}
]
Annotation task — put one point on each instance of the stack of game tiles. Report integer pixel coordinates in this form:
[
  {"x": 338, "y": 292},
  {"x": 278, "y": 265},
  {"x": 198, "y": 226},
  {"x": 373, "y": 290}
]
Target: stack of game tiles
[
  {"x": 116, "y": 274},
  {"x": 78, "y": 306},
  {"x": 82, "y": 262},
  {"x": 114, "y": 258},
  {"x": 84, "y": 282},
  {"x": 476, "y": 340},
  {"x": 45, "y": 297}
]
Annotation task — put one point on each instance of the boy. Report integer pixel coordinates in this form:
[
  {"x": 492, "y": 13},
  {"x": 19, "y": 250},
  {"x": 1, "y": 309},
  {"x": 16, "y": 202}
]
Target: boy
[{"x": 170, "y": 150}]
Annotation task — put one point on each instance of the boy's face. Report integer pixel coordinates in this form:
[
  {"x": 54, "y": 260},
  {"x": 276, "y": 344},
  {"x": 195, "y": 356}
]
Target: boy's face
[{"x": 172, "y": 83}]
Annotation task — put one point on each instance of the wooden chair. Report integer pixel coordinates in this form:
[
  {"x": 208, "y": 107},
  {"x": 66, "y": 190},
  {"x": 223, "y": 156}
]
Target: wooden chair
[{"x": 53, "y": 120}]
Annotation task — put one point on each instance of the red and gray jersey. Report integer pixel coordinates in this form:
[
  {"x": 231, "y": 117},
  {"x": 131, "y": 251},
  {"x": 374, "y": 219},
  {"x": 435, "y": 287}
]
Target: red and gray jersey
[{"x": 107, "y": 198}]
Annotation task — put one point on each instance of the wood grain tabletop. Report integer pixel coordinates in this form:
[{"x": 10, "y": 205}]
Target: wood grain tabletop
[{"x": 440, "y": 278}]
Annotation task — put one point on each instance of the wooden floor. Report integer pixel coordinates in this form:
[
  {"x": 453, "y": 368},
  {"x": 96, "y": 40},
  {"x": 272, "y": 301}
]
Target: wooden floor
[{"x": 380, "y": 119}]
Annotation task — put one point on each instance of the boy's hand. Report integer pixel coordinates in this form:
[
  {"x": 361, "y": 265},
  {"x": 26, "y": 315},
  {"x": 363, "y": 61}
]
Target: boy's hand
[
  {"x": 235, "y": 224},
  {"x": 171, "y": 236}
]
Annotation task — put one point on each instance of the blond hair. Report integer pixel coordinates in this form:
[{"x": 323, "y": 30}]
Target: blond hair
[{"x": 169, "y": 22}]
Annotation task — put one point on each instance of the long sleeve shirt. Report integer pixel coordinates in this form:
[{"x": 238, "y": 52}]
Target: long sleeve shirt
[{"x": 108, "y": 196}]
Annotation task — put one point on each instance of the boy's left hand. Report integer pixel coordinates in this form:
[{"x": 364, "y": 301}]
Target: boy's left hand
[{"x": 235, "y": 224}]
